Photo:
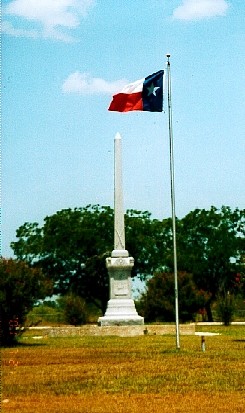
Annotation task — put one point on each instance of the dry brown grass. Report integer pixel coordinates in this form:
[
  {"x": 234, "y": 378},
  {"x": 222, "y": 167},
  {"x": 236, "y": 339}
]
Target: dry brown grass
[
  {"x": 128, "y": 375},
  {"x": 135, "y": 403}
]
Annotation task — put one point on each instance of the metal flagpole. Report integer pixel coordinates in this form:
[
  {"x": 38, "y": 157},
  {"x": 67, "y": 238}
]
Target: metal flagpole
[{"x": 170, "y": 128}]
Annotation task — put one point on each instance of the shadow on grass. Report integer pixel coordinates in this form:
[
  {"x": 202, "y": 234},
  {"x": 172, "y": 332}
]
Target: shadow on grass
[
  {"x": 18, "y": 344},
  {"x": 242, "y": 340},
  {"x": 171, "y": 351},
  {"x": 31, "y": 344}
]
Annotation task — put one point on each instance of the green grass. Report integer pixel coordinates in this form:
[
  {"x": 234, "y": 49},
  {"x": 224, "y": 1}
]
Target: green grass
[{"x": 106, "y": 374}]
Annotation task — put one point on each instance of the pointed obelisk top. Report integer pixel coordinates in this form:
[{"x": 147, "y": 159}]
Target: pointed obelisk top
[
  {"x": 119, "y": 227},
  {"x": 118, "y": 136}
]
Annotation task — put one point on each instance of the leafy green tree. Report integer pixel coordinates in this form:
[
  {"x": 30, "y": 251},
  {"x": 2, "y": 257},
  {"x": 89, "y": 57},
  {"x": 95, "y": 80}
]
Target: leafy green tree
[
  {"x": 72, "y": 247},
  {"x": 20, "y": 287},
  {"x": 210, "y": 246},
  {"x": 158, "y": 302},
  {"x": 148, "y": 241}
]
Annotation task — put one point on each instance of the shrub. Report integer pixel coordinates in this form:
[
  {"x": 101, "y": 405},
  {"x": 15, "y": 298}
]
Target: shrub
[
  {"x": 158, "y": 302},
  {"x": 226, "y": 308},
  {"x": 74, "y": 308},
  {"x": 20, "y": 287},
  {"x": 45, "y": 315}
]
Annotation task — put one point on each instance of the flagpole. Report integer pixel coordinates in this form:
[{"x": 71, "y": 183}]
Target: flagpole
[{"x": 170, "y": 129}]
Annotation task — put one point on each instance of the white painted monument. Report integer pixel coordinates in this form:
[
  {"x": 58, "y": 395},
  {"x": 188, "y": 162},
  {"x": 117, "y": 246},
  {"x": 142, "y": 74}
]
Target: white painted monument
[{"x": 120, "y": 308}]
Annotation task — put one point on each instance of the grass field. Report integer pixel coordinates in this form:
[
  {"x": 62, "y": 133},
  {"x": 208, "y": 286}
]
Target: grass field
[{"x": 126, "y": 375}]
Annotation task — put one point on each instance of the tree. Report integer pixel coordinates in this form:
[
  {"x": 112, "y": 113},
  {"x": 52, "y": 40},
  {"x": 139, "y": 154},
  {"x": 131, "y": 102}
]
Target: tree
[
  {"x": 68, "y": 247},
  {"x": 72, "y": 247},
  {"x": 148, "y": 241},
  {"x": 158, "y": 302},
  {"x": 20, "y": 287},
  {"x": 210, "y": 246}
]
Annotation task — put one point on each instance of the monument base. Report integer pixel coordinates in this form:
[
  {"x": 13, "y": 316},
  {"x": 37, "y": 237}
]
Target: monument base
[{"x": 120, "y": 312}]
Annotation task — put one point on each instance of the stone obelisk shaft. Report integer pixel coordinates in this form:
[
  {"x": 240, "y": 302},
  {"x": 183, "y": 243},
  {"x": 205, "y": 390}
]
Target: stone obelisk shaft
[
  {"x": 119, "y": 227},
  {"x": 120, "y": 308}
]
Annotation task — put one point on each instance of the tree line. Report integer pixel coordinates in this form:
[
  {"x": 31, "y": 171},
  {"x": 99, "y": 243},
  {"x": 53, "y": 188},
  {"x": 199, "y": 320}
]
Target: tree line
[{"x": 69, "y": 250}]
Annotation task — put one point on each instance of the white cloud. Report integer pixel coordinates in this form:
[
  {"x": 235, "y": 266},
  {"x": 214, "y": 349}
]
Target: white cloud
[
  {"x": 8, "y": 28},
  {"x": 200, "y": 9},
  {"x": 85, "y": 84},
  {"x": 52, "y": 15}
]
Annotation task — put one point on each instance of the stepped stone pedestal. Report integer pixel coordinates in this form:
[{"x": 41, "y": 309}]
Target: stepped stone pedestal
[{"x": 120, "y": 308}]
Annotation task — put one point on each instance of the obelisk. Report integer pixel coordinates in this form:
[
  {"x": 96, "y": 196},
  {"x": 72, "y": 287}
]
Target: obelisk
[{"x": 120, "y": 308}]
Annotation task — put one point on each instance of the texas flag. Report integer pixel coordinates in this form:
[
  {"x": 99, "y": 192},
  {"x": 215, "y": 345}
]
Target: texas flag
[{"x": 145, "y": 94}]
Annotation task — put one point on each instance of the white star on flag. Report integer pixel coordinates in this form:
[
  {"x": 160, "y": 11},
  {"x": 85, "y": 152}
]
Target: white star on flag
[{"x": 152, "y": 89}]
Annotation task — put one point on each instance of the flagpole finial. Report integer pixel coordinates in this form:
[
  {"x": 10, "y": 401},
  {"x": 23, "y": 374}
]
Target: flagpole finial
[{"x": 168, "y": 57}]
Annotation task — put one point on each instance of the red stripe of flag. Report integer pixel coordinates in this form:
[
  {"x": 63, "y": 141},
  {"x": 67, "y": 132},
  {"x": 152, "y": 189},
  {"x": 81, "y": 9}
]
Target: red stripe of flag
[{"x": 124, "y": 102}]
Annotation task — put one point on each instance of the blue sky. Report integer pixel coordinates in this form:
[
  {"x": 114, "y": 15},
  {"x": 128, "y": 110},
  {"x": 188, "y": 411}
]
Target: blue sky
[{"x": 61, "y": 62}]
